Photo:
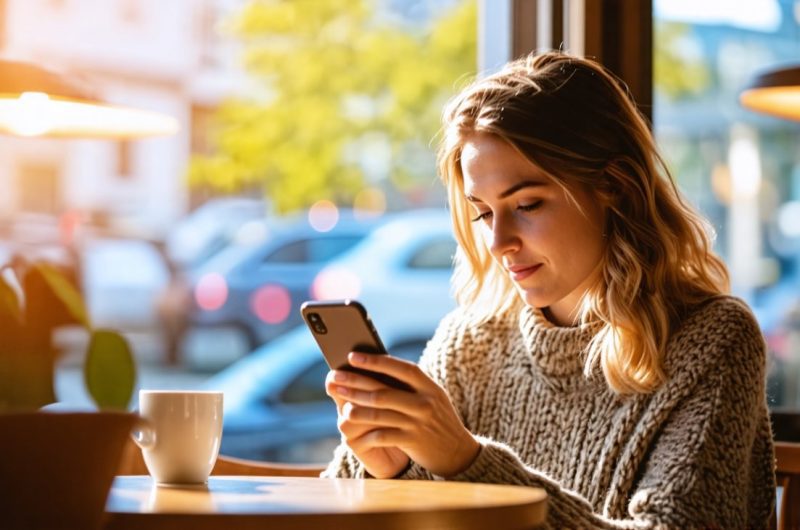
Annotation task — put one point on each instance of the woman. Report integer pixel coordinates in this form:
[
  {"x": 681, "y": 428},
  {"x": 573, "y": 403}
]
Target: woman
[{"x": 594, "y": 353}]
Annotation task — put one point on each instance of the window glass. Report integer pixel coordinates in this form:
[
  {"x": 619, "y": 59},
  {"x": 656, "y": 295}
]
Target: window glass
[
  {"x": 316, "y": 250},
  {"x": 294, "y": 252},
  {"x": 740, "y": 168},
  {"x": 309, "y": 387},
  {"x": 325, "y": 249},
  {"x": 304, "y": 128}
]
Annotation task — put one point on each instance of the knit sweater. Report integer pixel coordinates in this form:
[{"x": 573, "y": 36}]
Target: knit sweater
[{"x": 695, "y": 453}]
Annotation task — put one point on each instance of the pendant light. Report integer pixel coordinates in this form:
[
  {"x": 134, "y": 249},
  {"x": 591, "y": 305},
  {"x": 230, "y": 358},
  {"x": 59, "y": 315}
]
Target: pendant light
[
  {"x": 37, "y": 102},
  {"x": 774, "y": 92}
]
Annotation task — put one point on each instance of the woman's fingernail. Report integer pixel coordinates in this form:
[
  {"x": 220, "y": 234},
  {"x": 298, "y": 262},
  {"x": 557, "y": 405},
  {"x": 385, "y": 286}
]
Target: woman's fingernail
[
  {"x": 357, "y": 357},
  {"x": 342, "y": 390},
  {"x": 340, "y": 376}
]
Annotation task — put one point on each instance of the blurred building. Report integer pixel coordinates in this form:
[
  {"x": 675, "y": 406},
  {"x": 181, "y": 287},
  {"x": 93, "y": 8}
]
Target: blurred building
[{"x": 163, "y": 56}]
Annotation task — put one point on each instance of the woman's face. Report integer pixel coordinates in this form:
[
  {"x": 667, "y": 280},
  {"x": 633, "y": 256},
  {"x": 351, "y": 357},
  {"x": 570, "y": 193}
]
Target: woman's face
[{"x": 549, "y": 244}]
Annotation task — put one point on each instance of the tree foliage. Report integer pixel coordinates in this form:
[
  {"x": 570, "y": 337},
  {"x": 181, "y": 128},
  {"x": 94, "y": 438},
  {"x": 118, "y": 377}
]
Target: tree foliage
[
  {"x": 347, "y": 96},
  {"x": 679, "y": 73}
]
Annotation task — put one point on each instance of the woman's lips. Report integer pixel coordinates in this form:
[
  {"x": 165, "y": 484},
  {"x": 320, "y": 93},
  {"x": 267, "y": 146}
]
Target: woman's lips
[{"x": 520, "y": 273}]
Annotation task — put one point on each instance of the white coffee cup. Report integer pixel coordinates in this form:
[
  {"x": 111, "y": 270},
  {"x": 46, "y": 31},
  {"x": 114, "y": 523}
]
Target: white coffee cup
[{"x": 179, "y": 434}]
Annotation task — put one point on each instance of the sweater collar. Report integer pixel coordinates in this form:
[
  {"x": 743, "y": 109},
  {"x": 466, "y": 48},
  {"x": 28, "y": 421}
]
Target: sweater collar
[{"x": 555, "y": 351}]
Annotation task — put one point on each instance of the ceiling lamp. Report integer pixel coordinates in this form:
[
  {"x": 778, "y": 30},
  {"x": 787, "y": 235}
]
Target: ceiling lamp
[
  {"x": 40, "y": 103},
  {"x": 775, "y": 92}
]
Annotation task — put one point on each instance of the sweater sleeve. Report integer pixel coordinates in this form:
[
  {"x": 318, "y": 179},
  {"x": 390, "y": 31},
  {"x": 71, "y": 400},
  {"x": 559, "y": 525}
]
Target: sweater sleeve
[
  {"x": 713, "y": 446},
  {"x": 437, "y": 363}
]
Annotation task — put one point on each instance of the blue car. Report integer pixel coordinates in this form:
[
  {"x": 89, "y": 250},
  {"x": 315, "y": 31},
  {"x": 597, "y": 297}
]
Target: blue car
[{"x": 247, "y": 295}]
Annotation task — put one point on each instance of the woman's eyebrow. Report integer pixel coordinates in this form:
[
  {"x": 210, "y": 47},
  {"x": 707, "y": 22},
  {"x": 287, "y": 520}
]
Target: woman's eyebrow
[{"x": 512, "y": 190}]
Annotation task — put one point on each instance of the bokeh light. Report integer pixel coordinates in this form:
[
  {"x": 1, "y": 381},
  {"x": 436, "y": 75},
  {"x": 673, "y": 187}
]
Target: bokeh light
[
  {"x": 721, "y": 184},
  {"x": 745, "y": 167},
  {"x": 30, "y": 115},
  {"x": 336, "y": 284},
  {"x": 323, "y": 216},
  {"x": 69, "y": 223},
  {"x": 251, "y": 233},
  {"x": 369, "y": 203},
  {"x": 271, "y": 303},
  {"x": 211, "y": 291}
]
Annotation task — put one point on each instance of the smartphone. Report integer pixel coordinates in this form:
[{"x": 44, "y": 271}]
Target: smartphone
[{"x": 343, "y": 326}]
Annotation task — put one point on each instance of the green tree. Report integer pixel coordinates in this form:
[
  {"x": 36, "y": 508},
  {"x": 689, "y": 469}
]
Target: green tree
[
  {"x": 678, "y": 74},
  {"x": 339, "y": 80}
]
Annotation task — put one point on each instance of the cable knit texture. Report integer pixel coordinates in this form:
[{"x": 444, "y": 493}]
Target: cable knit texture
[{"x": 697, "y": 453}]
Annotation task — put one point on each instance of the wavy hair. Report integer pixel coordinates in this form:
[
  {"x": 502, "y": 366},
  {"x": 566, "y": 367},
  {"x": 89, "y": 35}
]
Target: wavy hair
[{"x": 578, "y": 124}]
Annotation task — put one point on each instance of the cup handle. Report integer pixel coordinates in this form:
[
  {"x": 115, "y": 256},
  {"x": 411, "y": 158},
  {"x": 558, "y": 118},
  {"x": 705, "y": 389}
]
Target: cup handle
[{"x": 144, "y": 434}]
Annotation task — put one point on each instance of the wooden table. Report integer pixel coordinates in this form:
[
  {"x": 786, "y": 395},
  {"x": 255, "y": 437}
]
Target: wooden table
[{"x": 280, "y": 503}]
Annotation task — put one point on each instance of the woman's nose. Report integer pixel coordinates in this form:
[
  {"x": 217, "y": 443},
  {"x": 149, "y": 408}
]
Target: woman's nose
[{"x": 505, "y": 238}]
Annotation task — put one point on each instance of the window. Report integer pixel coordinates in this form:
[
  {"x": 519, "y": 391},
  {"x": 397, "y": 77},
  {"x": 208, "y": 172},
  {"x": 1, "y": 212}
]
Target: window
[
  {"x": 309, "y": 387},
  {"x": 318, "y": 250},
  {"x": 294, "y": 252},
  {"x": 321, "y": 250},
  {"x": 38, "y": 185},
  {"x": 741, "y": 169}
]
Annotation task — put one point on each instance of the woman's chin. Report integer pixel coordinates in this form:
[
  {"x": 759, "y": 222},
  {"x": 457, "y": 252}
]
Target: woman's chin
[{"x": 534, "y": 297}]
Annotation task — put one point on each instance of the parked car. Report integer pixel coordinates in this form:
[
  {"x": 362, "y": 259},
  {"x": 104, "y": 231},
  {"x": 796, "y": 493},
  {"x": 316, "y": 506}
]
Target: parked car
[
  {"x": 275, "y": 402},
  {"x": 248, "y": 295},
  {"x": 121, "y": 281},
  {"x": 209, "y": 228},
  {"x": 275, "y": 406},
  {"x": 400, "y": 272}
]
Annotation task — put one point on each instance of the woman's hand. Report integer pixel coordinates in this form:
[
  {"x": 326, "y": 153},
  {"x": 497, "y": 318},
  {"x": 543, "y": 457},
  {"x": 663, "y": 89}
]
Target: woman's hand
[
  {"x": 380, "y": 423},
  {"x": 380, "y": 462}
]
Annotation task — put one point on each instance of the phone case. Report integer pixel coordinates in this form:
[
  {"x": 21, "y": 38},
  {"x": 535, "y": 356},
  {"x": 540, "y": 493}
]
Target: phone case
[{"x": 345, "y": 327}]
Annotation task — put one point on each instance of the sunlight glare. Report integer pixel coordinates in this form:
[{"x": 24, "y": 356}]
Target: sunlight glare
[{"x": 336, "y": 284}]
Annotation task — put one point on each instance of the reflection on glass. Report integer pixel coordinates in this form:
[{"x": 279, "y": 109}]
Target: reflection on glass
[{"x": 737, "y": 166}]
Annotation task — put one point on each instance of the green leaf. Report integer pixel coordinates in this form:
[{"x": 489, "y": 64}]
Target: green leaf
[
  {"x": 64, "y": 291},
  {"x": 9, "y": 302},
  {"x": 109, "y": 372}
]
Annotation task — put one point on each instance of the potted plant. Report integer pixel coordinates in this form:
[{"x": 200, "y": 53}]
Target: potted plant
[
  {"x": 35, "y": 299},
  {"x": 57, "y": 468}
]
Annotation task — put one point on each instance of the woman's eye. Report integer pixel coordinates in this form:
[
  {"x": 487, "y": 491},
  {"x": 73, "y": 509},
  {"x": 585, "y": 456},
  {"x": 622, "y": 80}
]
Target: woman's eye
[
  {"x": 529, "y": 207},
  {"x": 482, "y": 216}
]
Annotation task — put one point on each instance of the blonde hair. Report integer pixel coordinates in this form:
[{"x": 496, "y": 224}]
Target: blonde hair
[{"x": 577, "y": 122}]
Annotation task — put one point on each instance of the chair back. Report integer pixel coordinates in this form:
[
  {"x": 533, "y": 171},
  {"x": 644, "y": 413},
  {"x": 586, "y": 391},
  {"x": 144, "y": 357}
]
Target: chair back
[
  {"x": 133, "y": 464},
  {"x": 787, "y": 472}
]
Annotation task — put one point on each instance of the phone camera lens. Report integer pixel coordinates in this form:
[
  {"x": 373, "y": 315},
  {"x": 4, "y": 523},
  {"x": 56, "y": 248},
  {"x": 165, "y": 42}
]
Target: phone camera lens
[{"x": 317, "y": 324}]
